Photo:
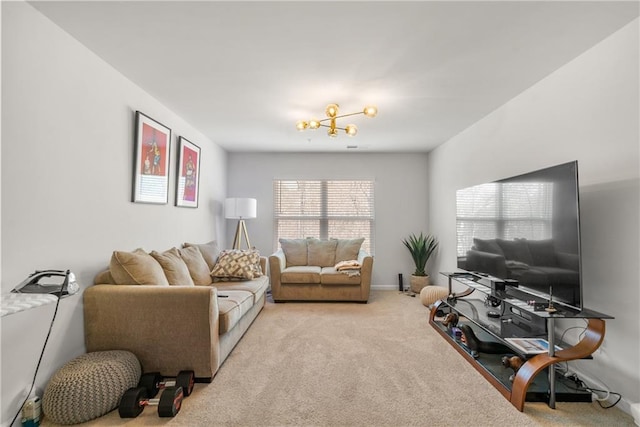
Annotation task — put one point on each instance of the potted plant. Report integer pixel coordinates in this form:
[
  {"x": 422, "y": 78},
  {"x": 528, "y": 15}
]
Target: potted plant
[{"x": 421, "y": 248}]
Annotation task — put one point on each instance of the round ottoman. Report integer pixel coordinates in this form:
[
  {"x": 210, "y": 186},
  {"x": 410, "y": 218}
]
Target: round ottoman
[
  {"x": 89, "y": 386},
  {"x": 431, "y": 294}
]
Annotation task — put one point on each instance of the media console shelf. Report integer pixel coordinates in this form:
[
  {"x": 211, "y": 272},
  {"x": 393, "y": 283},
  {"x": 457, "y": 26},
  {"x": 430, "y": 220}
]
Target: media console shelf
[{"x": 517, "y": 318}]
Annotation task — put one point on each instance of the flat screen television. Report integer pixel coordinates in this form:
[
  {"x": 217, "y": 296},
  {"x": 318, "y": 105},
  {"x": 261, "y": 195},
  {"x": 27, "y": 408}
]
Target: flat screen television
[{"x": 525, "y": 228}]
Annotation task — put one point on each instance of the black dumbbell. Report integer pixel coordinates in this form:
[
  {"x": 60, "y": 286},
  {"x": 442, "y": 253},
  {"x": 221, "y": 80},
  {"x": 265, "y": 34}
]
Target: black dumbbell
[
  {"x": 153, "y": 382},
  {"x": 135, "y": 399}
]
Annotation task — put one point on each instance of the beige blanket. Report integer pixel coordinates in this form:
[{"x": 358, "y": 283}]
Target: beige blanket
[{"x": 350, "y": 268}]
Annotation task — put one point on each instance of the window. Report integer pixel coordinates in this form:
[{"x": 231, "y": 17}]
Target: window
[
  {"x": 504, "y": 210},
  {"x": 324, "y": 209}
]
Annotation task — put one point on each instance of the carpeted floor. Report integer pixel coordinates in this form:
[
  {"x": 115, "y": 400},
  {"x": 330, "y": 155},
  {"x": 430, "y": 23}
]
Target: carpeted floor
[{"x": 345, "y": 364}]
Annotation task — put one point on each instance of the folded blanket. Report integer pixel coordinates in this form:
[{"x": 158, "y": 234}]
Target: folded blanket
[
  {"x": 350, "y": 268},
  {"x": 348, "y": 265}
]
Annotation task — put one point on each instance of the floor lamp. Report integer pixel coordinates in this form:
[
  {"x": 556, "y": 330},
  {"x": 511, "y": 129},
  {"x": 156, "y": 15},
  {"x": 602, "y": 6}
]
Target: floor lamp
[{"x": 240, "y": 209}]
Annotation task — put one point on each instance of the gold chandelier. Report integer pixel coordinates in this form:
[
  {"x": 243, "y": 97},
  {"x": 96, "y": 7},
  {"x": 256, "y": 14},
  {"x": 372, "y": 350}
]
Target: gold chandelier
[{"x": 332, "y": 114}]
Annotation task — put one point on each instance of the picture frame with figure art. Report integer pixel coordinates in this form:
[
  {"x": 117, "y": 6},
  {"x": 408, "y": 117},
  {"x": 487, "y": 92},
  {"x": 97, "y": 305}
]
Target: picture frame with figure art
[
  {"x": 152, "y": 148},
  {"x": 188, "y": 176}
]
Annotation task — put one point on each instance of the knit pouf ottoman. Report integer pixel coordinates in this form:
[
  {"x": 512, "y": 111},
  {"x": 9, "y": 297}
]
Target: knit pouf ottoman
[
  {"x": 431, "y": 294},
  {"x": 89, "y": 386}
]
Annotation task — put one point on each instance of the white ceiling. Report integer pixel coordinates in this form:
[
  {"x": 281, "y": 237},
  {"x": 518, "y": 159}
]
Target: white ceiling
[{"x": 244, "y": 72}]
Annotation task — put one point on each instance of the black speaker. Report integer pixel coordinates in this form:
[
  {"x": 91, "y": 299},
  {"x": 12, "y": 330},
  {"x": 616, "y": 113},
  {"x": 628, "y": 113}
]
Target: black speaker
[{"x": 400, "y": 285}]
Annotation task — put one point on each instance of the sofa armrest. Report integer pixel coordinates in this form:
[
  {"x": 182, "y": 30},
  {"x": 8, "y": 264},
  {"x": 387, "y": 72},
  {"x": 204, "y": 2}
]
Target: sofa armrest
[
  {"x": 169, "y": 328},
  {"x": 277, "y": 263},
  {"x": 366, "y": 270}
]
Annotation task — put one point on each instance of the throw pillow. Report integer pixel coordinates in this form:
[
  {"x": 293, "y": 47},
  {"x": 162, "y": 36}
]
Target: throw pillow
[
  {"x": 210, "y": 251},
  {"x": 237, "y": 264},
  {"x": 174, "y": 267},
  {"x": 136, "y": 268},
  {"x": 104, "y": 278},
  {"x": 198, "y": 268},
  {"x": 295, "y": 251},
  {"x": 322, "y": 253},
  {"x": 348, "y": 249}
]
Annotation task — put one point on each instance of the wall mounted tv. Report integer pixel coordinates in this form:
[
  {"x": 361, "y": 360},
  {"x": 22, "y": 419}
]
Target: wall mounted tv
[{"x": 525, "y": 228}]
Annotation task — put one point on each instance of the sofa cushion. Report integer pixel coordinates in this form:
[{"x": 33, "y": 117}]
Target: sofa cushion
[
  {"x": 489, "y": 245},
  {"x": 136, "y": 268},
  {"x": 295, "y": 251},
  {"x": 305, "y": 274},
  {"x": 174, "y": 267},
  {"x": 104, "y": 278},
  {"x": 348, "y": 249},
  {"x": 237, "y": 264},
  {"x": 232, "y": 305},
  {"x": 257, "y": 287},
  {"x": 331, "y": 276},
  {"x": 210, "y": 252},
  {"x": 198, "y": 268},
  {"x": 516, "y": 250},
  {"x": 321, "y": 252}
]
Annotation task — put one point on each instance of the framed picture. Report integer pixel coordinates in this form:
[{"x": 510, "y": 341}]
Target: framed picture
[
  {"x": 151, "y": 161},
  {"x": 187, "y": 182}
]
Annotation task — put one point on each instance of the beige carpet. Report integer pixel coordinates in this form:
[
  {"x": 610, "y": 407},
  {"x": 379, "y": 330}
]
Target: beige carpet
[{"x": 376, "y": 364}]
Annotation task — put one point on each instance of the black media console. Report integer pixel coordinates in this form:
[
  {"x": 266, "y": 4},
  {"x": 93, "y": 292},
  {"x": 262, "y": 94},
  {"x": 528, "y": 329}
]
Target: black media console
[{"x": 502, "y": 316}]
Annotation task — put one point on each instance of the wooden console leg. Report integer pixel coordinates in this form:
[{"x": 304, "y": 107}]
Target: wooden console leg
[{"x": 593, "y": 337}]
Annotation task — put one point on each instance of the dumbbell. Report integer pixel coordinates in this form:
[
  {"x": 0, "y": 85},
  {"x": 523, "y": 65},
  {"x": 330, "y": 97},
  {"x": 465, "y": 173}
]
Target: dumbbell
[
  {"x": 153, "y": 382},
  {"x": 135, "y": 399}
]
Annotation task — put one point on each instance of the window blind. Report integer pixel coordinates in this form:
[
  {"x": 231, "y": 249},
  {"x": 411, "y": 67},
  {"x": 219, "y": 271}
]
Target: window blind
[{"x": 324, "y": 209}]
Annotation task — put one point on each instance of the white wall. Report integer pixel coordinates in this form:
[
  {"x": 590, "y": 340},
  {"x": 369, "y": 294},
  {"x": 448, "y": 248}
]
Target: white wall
[
  {"x": 586, "y": 111},
  {"x": 400, "y": 198},
  {"x": 67, "y": 155}
]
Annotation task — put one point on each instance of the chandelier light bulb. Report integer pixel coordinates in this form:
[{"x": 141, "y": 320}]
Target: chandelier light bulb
[
  {"x": 351, "y": 130},
  {"x": 314, "y": 124},
  {"x": 332, "y": 110},
  {"x": 302, "y": 125},
  {"x": 370, "y": 111}
]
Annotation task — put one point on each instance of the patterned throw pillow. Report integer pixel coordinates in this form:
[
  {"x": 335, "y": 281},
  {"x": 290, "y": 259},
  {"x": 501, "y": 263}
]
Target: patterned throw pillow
[{"x": 237, "y": 264}]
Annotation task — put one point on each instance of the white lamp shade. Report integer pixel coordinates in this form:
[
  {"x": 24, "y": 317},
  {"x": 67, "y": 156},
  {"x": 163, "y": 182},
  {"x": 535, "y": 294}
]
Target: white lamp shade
[{"x": 240, "y": 208}]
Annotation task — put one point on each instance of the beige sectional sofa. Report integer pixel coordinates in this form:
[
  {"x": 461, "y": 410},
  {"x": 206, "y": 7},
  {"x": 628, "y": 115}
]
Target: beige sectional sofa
[
  {"x": 309, "y": 270},
  {"x": 169, "y": 311}
]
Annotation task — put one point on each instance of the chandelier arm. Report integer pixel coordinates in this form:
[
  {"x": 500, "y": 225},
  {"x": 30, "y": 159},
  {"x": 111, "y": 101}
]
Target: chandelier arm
[
  {"x": 349, "y": 114},
  {"x": 328, "y": 126}
]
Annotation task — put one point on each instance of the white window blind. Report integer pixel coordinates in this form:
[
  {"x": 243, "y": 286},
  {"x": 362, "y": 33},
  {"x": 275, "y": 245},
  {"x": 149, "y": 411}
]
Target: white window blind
[
  {"x": 504, "y": 210},
  {"x": 324, "y": 209}
]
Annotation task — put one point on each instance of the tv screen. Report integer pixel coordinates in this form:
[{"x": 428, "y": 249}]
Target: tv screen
[{"x": 525, "y": 228}]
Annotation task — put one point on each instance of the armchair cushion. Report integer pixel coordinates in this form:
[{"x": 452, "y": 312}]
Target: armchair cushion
[{"x": 136, "y": 268}]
